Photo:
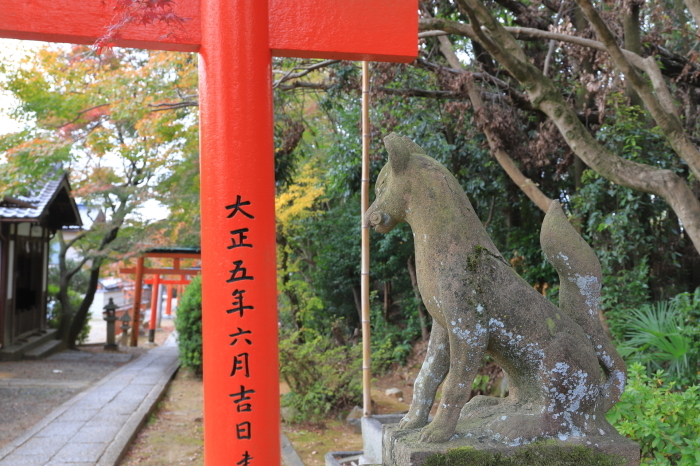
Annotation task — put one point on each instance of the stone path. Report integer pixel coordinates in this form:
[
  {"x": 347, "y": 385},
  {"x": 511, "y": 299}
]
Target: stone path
[{"x": 95, "y": 427}]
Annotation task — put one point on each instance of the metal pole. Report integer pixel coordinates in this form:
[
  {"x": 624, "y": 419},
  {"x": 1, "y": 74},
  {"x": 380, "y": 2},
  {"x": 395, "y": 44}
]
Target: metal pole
[{"x": 364, "y": 285}]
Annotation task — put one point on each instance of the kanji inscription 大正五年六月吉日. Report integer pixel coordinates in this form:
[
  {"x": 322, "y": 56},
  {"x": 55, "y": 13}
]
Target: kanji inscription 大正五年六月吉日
[{"x": 236, "y": 40}]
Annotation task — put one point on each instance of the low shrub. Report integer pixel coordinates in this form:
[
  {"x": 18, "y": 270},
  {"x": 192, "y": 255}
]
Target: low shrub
[
  {"x": 321, "y": 375},
  {"x": 665, "y": 335},
  {"x": 188, "y": 323},
  {"x": 666, "y": 423},
  {"x": 391, "y": 344}
]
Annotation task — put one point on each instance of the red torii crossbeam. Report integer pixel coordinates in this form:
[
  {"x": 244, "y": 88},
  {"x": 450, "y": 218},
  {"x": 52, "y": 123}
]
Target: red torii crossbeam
[{"x": 236, "y": 40}]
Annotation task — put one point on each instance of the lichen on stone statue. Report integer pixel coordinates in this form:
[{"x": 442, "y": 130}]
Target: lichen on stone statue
[{"x": 564, "y": 373}]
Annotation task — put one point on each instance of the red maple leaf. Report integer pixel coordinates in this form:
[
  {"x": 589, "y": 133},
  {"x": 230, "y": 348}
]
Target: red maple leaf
[{"x": 140, "y": 12}]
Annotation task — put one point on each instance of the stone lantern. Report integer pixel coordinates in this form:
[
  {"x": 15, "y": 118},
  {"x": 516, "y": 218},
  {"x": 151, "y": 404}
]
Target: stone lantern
[
  {"x": 125, "y": 319},
  {"x": 109, "y": 316}
]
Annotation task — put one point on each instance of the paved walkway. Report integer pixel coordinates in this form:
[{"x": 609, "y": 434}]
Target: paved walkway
[{"x": 95, "y": 427}]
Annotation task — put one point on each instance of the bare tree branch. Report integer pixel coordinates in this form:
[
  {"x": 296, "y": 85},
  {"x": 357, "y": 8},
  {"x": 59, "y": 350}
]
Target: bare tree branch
[
  {"x": 552, "y": 43},
  {"x": 173, "y": 105},
  {"x": 544, "y": 95},
  {"x": 81, "y": 113},
  {"x": 504, "y": 160},
  {"x": 660, "y": 106},
  {"x": 421, "y": 35},
  {"x": 306, "y": 70}
]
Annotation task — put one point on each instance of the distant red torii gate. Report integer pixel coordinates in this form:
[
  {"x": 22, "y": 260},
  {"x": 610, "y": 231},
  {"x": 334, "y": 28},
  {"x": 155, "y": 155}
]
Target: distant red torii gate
[
  {"x": 169, "y": 287},
  {"x": 176, "y": 254},
  {"x": 236, "y": 40}
]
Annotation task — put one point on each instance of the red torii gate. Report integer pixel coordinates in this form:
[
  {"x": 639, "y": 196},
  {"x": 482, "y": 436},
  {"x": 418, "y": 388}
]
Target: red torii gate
[
  {"x": 236, "y": 40},
  {"x": 175, "y": 254},
  {"x": 169, "y": 293}
]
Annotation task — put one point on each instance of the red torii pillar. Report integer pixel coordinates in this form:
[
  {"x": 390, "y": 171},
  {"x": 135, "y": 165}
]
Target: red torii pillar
[
  {"x": 169, "y": 298},
  {"x": 236, "y": 40}
]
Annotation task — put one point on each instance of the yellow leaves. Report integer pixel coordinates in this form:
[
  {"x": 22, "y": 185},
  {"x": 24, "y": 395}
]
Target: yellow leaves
[{"x": 302, "y": 198}]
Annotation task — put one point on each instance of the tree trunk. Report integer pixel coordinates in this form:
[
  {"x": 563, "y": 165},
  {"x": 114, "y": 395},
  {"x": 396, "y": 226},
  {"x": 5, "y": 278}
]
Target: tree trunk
[
  {"x": 80, "y": 316},
  {"x": 387, "y": 300},
  {"x": 422, "y": 317},
  {"x": 505, "y": 161},
  {"x": 77, "y": 320},
  {"x": 633, "y": 43},
  {"x": 67, "y": 310},
  {"x": 358, "y": 302}
]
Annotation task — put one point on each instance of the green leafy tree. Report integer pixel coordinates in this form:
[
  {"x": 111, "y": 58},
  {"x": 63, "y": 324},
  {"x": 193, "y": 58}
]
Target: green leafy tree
[{"x": 98, "y": 117}]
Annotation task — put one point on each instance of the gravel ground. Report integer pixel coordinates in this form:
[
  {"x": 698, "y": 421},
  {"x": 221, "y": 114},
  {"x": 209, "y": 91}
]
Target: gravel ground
[{"x": 30, "y": 390}]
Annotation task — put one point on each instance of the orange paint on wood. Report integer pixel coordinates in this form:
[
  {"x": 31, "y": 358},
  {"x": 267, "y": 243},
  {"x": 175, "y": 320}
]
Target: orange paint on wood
[
  {"x": 136, "y": 313},
  {"x": 238, "y": 166},
  {"x": 83, "y": 22},
  {"x": 167, "y": 282},
  {"x": 169, "y": 302},
  {"x": 161, "y": 271},
  {"x": 371, "y": 30},
  {"x": 154, "y": 302}
]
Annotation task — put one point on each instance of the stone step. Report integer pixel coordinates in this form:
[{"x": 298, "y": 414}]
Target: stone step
[
  {"x": 16, "y": 351},
  {"x": 44, "y": 350},
  {"x": 289, "y": 455}
]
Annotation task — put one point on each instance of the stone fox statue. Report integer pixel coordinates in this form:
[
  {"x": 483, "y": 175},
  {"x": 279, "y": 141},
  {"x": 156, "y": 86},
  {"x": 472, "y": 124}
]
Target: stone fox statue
[{"x": 480, "y": 305}]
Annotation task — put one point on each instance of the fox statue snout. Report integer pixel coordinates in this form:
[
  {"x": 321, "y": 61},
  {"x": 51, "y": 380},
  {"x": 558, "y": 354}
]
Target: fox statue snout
[{"x": 373, "y": 219}]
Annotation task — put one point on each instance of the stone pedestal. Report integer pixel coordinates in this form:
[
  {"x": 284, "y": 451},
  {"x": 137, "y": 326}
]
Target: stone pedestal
[
  {"x": 372, "y": 436},
  {"x": 403, "y": 448}
]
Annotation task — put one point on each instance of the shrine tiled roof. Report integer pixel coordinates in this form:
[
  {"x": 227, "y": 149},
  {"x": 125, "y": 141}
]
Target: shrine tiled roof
[
  {"x": 11, "y": 209},
  {"x": 36, "y": 207}
]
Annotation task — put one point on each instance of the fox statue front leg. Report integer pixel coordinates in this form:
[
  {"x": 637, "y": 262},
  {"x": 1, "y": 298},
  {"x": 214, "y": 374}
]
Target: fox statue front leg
[
  {"x": 432, "y": 373},
  {"x": 465, "y": 350}
]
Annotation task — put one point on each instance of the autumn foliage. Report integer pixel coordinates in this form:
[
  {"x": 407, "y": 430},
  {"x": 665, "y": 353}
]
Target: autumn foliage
[{"x": 141, "y": 13}]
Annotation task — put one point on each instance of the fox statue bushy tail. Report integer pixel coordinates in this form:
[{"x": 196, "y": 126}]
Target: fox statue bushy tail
[{"x": 580, "y": 279}]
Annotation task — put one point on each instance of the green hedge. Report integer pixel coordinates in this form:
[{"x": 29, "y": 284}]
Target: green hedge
[{"x": 188, "y": 323}]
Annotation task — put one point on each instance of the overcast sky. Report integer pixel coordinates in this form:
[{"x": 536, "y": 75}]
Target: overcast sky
[{"x": 12, "y": 51}]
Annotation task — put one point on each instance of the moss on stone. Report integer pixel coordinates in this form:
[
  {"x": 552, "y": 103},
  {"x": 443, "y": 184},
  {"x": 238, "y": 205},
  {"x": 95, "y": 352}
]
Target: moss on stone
[
  {"x": 473, "y": 259},
  {"x": 545, "y": 453},
  {"x": 538, "y": 454},
  {"x": 472, "y": 263},
  {"x": 551, "y": 326}
]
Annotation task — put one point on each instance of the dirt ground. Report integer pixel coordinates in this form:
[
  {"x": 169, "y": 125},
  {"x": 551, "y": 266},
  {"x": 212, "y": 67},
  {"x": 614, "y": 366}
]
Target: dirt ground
[{"x": 174, "y": 433}]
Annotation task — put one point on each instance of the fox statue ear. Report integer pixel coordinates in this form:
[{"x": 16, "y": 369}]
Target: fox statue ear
[{"x": 400, "y": 149}]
